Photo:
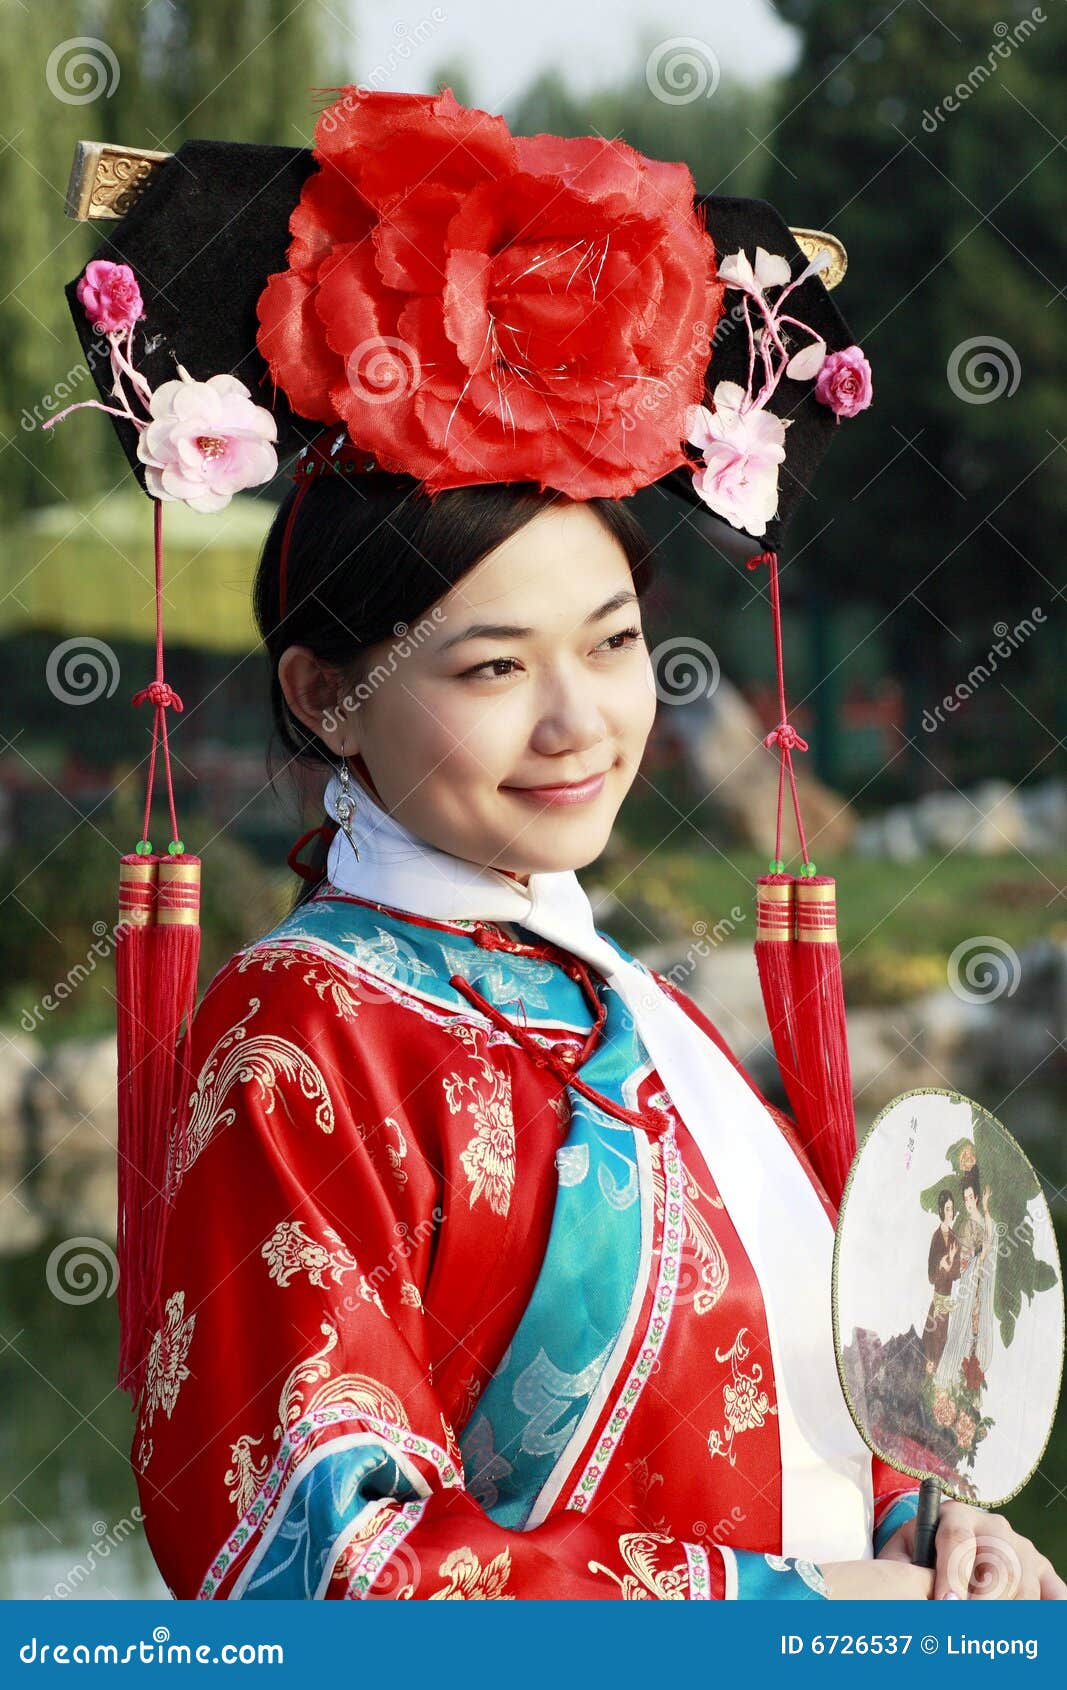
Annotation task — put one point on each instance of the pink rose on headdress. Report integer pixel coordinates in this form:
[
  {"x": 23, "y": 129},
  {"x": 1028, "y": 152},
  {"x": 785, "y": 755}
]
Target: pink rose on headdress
[
  {"x": 110, "y": 295},
  {"x": 844, "y": 382},
  {"x": 742, "y": 450},
  {"x": 206, "y": 441}
]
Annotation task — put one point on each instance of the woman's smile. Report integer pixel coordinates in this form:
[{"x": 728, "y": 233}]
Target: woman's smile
[{"x": 570, "y": 792}]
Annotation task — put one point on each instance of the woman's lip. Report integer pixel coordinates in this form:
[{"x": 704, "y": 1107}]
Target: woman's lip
[{"x": 574, "y": 793}]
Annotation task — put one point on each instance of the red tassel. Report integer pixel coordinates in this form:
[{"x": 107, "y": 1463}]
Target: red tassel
[
  {"x": 825, "y": 1093},
  {"x": 157, "y": 962},
  {"x": 806, "y": 1011},
  {"x": 136, "y": 1070},
  {"x": 775, "y": 922}
]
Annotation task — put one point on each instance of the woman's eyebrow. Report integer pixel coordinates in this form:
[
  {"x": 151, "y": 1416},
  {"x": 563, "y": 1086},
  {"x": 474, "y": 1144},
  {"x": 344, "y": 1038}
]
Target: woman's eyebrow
[{"x": 500, "y": 631}]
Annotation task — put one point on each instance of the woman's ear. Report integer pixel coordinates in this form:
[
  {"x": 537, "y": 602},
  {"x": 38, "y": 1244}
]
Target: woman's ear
[{"x": 313, "y": 691}]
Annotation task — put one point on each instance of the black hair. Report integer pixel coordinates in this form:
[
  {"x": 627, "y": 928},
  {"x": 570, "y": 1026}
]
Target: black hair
[
  {"x": 368, "y": 556},
  {"x": 944, "y": 1197}
]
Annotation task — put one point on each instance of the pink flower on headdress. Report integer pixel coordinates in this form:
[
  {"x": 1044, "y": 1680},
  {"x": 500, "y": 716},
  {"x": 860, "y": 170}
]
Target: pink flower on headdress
[
  {"x": 742, "y": 449},
  {"x": 844, "y": 382},
  {"x": 205, "y": 441},
  {"x": 110, "y": 295}
]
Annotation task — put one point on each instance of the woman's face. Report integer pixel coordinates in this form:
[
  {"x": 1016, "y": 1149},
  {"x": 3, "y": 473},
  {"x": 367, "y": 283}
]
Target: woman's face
[{"x": 461, "y": 721}]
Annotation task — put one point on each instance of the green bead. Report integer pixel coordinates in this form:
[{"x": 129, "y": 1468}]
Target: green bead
[
  {"x": 176, "y": 847},
  {"x": 144, "y": 847},
  {"x": 776, "y": 866},
  {"x": 808, "y": 870}
]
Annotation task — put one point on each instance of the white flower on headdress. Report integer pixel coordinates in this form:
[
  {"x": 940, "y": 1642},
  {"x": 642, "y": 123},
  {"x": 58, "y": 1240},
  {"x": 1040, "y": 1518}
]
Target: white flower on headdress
[
  {"x": 742, "y": 446},
  {"x": 771, "y": 271},
  {"x": 206, "y": 441}
]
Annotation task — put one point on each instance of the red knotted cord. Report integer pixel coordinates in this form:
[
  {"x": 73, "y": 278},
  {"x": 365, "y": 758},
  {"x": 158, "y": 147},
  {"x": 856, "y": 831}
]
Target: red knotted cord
[
  {"x": 785, "y": 735},
  {"x": 159, "y": 693}
]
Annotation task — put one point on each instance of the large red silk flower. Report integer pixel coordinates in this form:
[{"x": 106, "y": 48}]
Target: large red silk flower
[{"x": 478, "y": 307}]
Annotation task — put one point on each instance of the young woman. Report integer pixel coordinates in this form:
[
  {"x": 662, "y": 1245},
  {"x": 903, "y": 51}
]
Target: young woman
[
  {"x": 455, "y": 1306},
  {"x": 486, "y": 1272}
]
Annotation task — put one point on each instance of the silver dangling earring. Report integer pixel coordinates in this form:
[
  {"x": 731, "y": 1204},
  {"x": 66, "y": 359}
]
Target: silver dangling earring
[{"x": 346, "y": 805}]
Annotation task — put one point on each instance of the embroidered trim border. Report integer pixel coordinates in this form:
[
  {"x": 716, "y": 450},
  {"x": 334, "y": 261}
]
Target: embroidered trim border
[
  {"x": 382, "y": 1547},
  {"x": 659, "y": 1321},
  {"x": 431, "y": 1006},
  {"x": 293, "y": 1444},
  {"x": 404, "y": 996},
  {"x": 696, "y": 1557}
]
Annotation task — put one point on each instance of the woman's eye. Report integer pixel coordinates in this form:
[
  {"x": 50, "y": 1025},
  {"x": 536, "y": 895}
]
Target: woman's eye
[{"x": 628, "y": 635}]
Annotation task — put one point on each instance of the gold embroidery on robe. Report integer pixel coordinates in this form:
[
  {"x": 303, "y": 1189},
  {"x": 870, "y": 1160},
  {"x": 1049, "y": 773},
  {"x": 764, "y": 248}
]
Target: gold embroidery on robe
[
  {"x": 745, "y": 1405},
  {"x": 329, "y": 983},
  {"x": 289, "y": 1251},
  {"x": 237, "y": 1060},
  {"x": 645, "y": 1581},
  {"x": 489, "y": 1158},
  {"x": 469, "y": 1581},
  {"x": 166, "y": 1359}
]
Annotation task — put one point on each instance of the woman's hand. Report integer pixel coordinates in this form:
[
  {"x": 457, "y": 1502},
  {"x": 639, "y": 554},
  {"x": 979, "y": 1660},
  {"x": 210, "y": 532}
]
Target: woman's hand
[
  {"x": 878, "y": 1580},
  {"x": 980, "y": 1557}
]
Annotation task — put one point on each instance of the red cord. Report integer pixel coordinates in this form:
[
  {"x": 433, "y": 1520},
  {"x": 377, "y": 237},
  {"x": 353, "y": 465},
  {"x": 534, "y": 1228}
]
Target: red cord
[
  {"x": 159, "y": 693},
  {"x": 785, "y": 735}
]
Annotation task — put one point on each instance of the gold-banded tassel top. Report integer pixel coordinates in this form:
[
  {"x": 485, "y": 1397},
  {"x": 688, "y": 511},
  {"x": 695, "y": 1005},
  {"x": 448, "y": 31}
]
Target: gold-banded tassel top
[
  {"x": 816, "y": 910},
  {"x": 137, "y": 890},
  {"x": 774, "y": 907},
  {"x": 179, "y": 891}
]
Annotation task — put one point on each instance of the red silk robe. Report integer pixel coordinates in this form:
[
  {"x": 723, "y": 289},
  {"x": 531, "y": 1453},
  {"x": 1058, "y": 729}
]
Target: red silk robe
[{"x": 368, "y": 1172}]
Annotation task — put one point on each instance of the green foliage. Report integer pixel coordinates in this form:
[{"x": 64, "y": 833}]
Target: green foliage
[{"x": 953, "y": 223}]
